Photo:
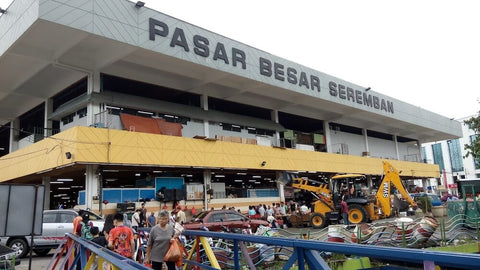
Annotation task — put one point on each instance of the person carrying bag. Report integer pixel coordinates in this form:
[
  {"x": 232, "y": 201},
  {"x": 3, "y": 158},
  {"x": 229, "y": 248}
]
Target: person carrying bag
[{"x": 160, "y": 241}]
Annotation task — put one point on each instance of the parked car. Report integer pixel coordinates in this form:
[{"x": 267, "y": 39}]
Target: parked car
[
  {"x": 56, "y": 223},
  {"x": 434, "y": 198},
  {"x": 8, "y": 259},
  {"x": 217, "y": 220}
]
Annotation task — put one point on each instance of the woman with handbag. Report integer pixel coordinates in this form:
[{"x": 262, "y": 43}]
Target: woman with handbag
[{"x": 159, "y": 241}]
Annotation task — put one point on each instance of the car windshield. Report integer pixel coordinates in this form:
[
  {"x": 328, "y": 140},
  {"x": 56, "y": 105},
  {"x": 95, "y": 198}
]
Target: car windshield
[{"x": 200, "y": 215}]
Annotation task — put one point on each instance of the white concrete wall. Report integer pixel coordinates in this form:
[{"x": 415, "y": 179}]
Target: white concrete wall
[
  {"x": 381, "y": 148},
  {"x": 355, "y": 142},
  {"x": 409, "y": 152},
  {"x": 77, "y": 121},
  {"x": 193, "y": 128}
]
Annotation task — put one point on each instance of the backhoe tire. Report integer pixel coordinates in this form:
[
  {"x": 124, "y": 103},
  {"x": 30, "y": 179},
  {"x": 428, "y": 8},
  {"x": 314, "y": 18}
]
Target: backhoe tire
[
  {"x": 357, "y": 214},
  {"x": 318, "y": 221}
]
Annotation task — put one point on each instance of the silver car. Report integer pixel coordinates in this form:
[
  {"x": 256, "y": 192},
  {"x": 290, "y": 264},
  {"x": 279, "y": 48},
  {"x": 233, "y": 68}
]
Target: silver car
[{"x": 56, "y": 223}]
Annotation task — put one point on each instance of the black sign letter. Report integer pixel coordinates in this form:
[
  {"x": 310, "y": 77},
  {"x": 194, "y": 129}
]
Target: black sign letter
[
  {"x": 154, "y": 31},
  {"x": 265, "y": 67},
  {"x": 201, "y": 46},
  {"x": 179, "y": 39},
  {"x": 238, "y": 56}
]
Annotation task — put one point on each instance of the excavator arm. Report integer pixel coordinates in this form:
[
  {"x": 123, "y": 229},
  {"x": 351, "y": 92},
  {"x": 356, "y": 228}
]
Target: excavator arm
[
  {"x": 391, "y": 177},
  {"x": 321, "y": 192}
]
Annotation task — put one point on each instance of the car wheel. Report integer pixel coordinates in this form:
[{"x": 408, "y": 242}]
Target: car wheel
[
  {"x": 20, "y": 246},
  {"x": 41, "y": 251}
]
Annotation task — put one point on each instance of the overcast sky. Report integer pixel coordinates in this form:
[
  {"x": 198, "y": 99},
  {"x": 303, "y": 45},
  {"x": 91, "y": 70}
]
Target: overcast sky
[{"x": 426, "y": 53}]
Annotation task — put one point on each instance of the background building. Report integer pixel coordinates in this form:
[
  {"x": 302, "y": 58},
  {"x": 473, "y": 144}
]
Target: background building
[
  {"x": 450, "y": 155},
  {"x": 110, "y": 101}
]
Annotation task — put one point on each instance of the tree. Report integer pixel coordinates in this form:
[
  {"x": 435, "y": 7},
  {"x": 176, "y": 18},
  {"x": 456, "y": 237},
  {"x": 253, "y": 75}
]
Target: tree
[{"x": 474, "y": 147}]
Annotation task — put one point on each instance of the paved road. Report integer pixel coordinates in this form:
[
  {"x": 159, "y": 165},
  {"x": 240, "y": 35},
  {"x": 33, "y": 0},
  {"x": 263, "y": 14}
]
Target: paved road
[{"x": 38, "y": 262}]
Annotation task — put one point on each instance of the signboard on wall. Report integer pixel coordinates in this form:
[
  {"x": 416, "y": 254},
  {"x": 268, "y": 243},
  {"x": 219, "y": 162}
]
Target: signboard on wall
[{"x": 195, "y": 191}]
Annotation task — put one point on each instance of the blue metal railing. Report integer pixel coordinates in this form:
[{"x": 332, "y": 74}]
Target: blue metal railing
[
  {"x": 302, "y": 253},
  {"x": 310, "y": 251}
]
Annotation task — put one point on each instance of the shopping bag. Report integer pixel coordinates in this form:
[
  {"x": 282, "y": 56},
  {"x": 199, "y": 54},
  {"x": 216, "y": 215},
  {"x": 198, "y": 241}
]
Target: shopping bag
[{"x": 174, "y": 253}]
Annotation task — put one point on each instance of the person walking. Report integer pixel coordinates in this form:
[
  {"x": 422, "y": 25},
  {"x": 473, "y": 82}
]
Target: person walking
[
  {"x": 136, "y": 219},
  {"x": 159, "y": 241},
  {"x": 152, "y": 220},
  {"x": 143, "y": 216},
  {"x": 181, "y": 217},
  {"x": 344, "y": 211},
  {"x": 120, "y": 238}
]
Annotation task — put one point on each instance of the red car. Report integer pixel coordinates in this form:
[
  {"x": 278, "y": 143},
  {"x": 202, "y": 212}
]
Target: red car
[{"x": 217, "y": 220}]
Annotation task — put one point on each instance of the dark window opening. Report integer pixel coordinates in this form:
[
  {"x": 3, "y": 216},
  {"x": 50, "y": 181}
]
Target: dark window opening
[
  {"x": 68, "y": 119},
  {"x": 379, "y": 135},
  {"x": 260, "y": 131},
  {"x": 141, "y": 89},
  {"x": 401, "y": 139},
  {"x": 82, "y": 112},
  {"x": 75, "y": 90},
  {"x": 32, "y": 122},
  {"x": 4, "y": 139},
  {"x": 175, "y": 119},
  {"x": 231, "y": 127},
  {"x": 344, "y": 128},
  {"x": 299, "y": 123},
  {"x": 238, "y": 108}
]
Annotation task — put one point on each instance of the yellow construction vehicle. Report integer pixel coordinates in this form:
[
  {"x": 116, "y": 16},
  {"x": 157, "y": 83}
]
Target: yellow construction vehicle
[{"x": 364, "y": 203}]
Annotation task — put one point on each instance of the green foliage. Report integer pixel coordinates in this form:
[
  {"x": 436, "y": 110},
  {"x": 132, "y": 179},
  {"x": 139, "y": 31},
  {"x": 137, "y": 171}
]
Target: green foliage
[
  {"x": 474, "y": 148},
  {"x": 424, "y": 203}
]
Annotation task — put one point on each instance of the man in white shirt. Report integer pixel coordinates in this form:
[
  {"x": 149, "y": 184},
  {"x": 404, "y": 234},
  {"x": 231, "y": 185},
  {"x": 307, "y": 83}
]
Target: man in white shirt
[
  {"x": 181, "y": 217},
  {"x": 136, "y": 219}
]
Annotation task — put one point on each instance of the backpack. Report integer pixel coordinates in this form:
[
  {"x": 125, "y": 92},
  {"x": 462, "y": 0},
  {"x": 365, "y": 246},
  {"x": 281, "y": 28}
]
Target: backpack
[{"x": 86, "y": 234}]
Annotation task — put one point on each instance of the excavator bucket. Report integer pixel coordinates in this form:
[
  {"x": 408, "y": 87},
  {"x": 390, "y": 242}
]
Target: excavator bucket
[{"x": 287, "y": 178}]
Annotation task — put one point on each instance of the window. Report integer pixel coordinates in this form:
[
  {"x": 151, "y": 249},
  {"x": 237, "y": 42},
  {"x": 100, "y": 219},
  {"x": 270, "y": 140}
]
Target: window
[
  {"x": 438, "y": 155},
  {"x": 260, "y": 131},
  {"x": 231, "y": 127},
  {"x": 455, "y": 155},
  {"x": 175, "y": 119},
  {"x": 68, "y": 119},
  {"x": 424, "y": 154},
  {"x": 217, "y": 217},
  {"x": 66, "y": 218},
  {"x": 235, "y": 217},
  {"x": 49, "y": 217},
  {"x": 82, "y": 112}
]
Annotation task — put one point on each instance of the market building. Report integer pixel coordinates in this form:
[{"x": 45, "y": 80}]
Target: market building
[{"x": 110, "y": 101}]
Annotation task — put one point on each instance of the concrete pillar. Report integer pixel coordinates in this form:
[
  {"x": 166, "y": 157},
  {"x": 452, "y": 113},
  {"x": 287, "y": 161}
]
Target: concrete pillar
[
  {"x": 204, "y": 105},
  {"x": 207, "y": 184},
  {"x": 280, "y": 187},
  {"x": 46, "y": 183},
  {"x": 328, "y": 136},
  {"x": 420, "y": 152},
  {"x": 397, "y": 154},
  {"x": 14, "y": 134},
  {"x": 93, "y": 86},
  {"x": 47, "y": 131},
  {"x": 91, "y": 184},
  {"x": 276, "y": 119},
  {"x": 365, "y": 140}
]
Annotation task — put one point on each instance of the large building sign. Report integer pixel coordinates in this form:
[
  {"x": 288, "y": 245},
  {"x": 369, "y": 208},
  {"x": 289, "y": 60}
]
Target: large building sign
[{"x": 236, "y": 57}]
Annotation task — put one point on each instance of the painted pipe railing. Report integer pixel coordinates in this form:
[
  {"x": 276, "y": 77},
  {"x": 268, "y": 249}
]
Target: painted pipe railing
[
  {"x": 75, "y": 251},
  {"x": 310, "y": 252}
]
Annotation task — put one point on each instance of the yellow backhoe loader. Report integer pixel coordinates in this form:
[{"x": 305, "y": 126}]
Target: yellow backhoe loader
[{"x": 364, "y": 203}]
